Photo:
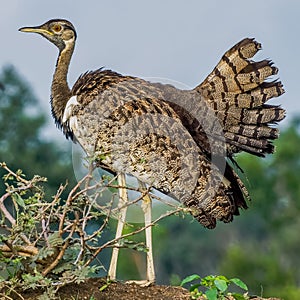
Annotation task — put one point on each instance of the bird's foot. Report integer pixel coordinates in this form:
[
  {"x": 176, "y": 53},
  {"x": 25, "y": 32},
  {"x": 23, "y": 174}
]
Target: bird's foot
[{"x": 142, "y": 283}]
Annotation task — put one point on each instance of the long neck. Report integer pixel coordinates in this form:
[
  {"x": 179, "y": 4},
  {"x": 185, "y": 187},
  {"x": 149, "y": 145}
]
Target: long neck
[{"x": 60, "y": 91}]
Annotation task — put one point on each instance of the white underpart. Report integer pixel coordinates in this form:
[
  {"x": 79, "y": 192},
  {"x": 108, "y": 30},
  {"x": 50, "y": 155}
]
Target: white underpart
[{"x": 68, "y": 117}]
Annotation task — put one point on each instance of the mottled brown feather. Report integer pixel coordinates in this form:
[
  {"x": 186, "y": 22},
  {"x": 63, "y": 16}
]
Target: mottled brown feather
[{"x": 137, "y": 127}]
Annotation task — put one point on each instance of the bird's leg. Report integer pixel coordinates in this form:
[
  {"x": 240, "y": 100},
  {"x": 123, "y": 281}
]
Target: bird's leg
[
  {"x": 122, "y": 205},
  {"x": 147, "y": 209}
]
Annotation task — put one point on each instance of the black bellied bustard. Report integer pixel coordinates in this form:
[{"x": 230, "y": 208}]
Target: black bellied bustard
[{"x": 177, "y": 141}]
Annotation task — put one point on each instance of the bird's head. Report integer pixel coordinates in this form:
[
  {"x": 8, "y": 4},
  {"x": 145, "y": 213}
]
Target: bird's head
[{"x": 58, "y": 31}]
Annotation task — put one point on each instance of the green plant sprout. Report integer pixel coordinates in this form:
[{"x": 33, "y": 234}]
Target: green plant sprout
[{"x": 215, "y": 287}]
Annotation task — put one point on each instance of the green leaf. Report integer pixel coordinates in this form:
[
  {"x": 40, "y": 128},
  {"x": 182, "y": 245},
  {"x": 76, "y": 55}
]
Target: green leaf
[
  {"x": 208, "y": 281},
  {"x": 212, "y": 294},
  {"x": 238, "y": 296},
  {"x": 55, "y": 239},
  {"x": 209, "y": 278},
  {"x": 19, "y": 200},
  {"x": 44, "y": 253},
  {"x": 222, "y": 277},
  {"x": 62, "y": 268},
  {"x": 221, "y": 285},
  {"x": 239, "y": 283},
  {"x": 189, "y": 279},
  {"x": 19, "y": 172},
  {"x": 105, "y": 286},
  {"x": 194, "y": 287}
]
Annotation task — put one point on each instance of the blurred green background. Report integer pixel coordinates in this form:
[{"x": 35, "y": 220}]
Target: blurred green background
[{"x": 261, "y": 247}]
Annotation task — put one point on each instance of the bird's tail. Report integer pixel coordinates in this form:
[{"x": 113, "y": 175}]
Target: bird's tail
[{"x": 237, "y": 91}]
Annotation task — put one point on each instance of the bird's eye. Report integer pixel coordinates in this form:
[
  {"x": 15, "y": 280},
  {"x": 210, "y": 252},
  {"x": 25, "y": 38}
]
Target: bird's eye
[{"x": 56, "y": 28}]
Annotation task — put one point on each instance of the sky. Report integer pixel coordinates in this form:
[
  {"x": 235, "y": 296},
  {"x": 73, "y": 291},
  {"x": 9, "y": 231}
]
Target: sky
[{"x": 175, "y": 40}]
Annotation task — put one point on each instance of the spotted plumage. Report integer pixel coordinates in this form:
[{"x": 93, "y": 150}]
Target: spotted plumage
[{"x": 177, "y": 141}]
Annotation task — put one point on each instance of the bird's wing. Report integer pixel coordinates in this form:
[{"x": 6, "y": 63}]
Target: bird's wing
[{"x": 129, "y": 126}]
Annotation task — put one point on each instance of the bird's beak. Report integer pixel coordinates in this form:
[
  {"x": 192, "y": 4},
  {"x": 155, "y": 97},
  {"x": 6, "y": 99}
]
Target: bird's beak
[{"x": 35, "y": 30}]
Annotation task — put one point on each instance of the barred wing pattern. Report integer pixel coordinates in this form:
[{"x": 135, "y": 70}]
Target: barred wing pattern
[{"x": 177, "y": 140}]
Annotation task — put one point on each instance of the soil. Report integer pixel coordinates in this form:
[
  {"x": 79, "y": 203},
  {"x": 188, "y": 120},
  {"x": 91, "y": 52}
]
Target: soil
[{"x": 89, "y": 290}]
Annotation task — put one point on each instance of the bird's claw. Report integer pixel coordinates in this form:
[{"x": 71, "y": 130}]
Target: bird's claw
[{"x": 143, "y": 283}]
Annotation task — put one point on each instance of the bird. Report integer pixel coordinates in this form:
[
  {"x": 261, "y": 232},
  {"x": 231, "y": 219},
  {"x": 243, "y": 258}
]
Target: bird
[{"x": 180, "y": 142}]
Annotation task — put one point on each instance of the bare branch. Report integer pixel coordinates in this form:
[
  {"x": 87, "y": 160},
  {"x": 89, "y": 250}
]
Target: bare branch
[
  {"x": 6, "y": 213},
  {"x": 27, "y": 251},
  {"x": 18, "y": 177}
]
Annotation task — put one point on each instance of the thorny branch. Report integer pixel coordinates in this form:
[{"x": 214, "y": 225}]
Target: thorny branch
[{"x": 44, "y": 232}]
